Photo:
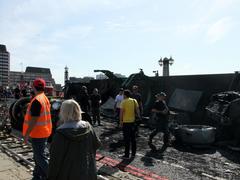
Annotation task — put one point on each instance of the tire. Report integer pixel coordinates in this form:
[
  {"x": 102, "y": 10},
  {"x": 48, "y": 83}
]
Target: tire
[
  {"x": 12, "y": 120},
  {"x": 197, "y": 134},
  {"x": 18, "y": 112}
]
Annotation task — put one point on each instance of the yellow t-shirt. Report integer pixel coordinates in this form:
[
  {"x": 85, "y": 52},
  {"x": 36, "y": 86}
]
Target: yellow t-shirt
[{"x": 128, "y": 107}]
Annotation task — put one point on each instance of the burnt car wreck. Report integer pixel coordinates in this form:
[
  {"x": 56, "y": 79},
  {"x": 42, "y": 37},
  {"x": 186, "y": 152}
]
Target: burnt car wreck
[{"x": 223, "y": 113}]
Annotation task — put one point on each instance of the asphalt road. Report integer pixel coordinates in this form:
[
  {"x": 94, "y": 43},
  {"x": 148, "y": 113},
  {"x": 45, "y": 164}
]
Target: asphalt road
[{"x": 176, "y": 162}]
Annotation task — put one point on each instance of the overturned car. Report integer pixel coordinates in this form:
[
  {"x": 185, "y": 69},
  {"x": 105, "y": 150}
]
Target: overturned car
[{"x": 223, "y": 113}]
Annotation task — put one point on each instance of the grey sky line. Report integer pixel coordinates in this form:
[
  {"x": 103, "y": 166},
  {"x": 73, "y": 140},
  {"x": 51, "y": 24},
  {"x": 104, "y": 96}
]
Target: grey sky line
[{"x": 122, "y": 36}]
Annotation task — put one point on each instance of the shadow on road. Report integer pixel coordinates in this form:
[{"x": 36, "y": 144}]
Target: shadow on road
[
  {"x": 230, "y": 155},
  {"x": 195, "y": 149},
  {"x": 154, "y": 153},
  {"x": 124, "y": 163},
  {"x": 108, "y": 131}
]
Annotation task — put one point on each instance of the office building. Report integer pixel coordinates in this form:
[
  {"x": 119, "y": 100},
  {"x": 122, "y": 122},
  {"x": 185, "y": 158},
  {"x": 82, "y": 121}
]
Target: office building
[
  {"x": 30, "y": 74},
  {"x": 4, "y": 66}
]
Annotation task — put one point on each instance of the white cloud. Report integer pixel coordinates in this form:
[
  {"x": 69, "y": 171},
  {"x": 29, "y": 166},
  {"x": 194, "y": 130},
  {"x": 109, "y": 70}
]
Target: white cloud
[
  {"x": 189, "y": 29},
  {"x": 71, "y": 32},
  {"x": 219, "y": 29},
  {"x": 52, "y": 31},
  {"x": 223, "y": 4},
  {"x": 19, "y": 33}
]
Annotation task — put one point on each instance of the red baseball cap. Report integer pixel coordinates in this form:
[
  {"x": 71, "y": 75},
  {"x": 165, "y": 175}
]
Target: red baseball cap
[{"x": 39, "y": 82}]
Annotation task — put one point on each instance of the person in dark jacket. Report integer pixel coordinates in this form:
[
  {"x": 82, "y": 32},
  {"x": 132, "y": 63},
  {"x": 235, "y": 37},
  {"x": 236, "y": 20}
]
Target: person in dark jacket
[
  {"x": 162, "y": 111},
  {"x": 73, "y": 148},
  {"x": 83, "y": 99},
  {"x": 95, "y": 106}
]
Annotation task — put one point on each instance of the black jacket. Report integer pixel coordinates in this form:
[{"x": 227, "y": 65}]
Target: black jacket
[{"x": 72, "y": 154}]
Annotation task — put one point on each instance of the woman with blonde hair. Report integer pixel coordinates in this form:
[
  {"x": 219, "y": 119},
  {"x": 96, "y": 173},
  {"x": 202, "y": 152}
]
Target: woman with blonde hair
[{"x": 74, "y": 145}]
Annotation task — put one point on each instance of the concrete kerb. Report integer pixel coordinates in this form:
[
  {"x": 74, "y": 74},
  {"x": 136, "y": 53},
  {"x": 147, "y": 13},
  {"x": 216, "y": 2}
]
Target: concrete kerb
[{"x": 12, "y": 170}]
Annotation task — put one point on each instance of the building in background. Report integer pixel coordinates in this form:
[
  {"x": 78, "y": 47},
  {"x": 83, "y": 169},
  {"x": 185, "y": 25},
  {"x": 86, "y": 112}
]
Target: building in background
[
  {"x": 85, "y": 79},
  {"x": 30, "y": 74},
  {"x": 15, "y": 77},
  {"x": 103, "y": 76},
  {"x": 4, "y": 66},
  {"x": 25, "y": 79}
]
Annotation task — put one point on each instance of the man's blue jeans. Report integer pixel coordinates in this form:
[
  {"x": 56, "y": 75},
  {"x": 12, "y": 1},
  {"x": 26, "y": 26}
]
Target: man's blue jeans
[{"x": 41, "y": 162}]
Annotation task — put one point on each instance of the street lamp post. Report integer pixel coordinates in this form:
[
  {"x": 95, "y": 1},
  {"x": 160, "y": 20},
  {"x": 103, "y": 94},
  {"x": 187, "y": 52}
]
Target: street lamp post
[{"x": 165, "y": 62}]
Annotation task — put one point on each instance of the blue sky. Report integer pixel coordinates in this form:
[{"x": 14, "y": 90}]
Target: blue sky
[{"x": 122, "y": 36}]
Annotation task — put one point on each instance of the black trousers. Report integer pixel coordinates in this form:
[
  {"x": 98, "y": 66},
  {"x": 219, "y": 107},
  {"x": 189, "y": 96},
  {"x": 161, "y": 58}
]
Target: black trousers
[
  {"x": 161, "y": 128},
  {"x": 129, "y": 135},
  {"x": 96, "y": 115}
]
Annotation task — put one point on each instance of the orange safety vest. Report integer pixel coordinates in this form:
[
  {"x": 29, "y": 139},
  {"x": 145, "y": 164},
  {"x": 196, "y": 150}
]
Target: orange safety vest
[{"x": 43, "y": 127}]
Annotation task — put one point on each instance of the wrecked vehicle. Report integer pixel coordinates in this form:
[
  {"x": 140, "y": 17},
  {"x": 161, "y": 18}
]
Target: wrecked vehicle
[
  {"x": 188, "y": 96},
  {"x": 223, "y": 113}
]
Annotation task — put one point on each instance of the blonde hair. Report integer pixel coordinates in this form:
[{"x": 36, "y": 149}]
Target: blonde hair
[{"x": 70, "y": 111}]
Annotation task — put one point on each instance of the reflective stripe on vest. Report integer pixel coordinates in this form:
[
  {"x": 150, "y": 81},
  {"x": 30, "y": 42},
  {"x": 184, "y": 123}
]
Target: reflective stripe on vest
[
  {"x": 43, "y": 126},
  {"x": 41, "y": 123},
  {"x": 41, "y": 114}
]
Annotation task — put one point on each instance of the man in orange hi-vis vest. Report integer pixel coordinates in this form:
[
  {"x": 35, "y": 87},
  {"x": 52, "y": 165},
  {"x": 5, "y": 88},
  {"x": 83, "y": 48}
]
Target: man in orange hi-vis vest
[{"x": 38, "y": 126}]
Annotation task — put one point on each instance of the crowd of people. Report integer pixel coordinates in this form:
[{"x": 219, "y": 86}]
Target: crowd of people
[
  {"x": 16, "y": 92},
  {"x": 74, "y": 144}
]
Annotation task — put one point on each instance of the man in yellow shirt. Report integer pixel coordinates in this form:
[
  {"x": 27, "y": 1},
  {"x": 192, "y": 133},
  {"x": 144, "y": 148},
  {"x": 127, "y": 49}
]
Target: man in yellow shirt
[{"x": 128, "y": 110}]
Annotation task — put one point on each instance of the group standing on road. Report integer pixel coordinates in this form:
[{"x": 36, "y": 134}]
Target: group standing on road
[{"x": 74, "y": 144}]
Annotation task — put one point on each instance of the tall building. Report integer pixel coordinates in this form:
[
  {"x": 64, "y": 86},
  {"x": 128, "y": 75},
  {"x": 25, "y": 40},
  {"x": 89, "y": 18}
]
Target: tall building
[
  {"x": 30, "y": 74},
  {"x": 4, "y": 66}
]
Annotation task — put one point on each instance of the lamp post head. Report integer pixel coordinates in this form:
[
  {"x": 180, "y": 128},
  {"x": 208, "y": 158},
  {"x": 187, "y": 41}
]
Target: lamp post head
[
  {"x": 171, "y": 60},
  {"x": 165, "y": 61},
  {"x": 160, "y": 61}
]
